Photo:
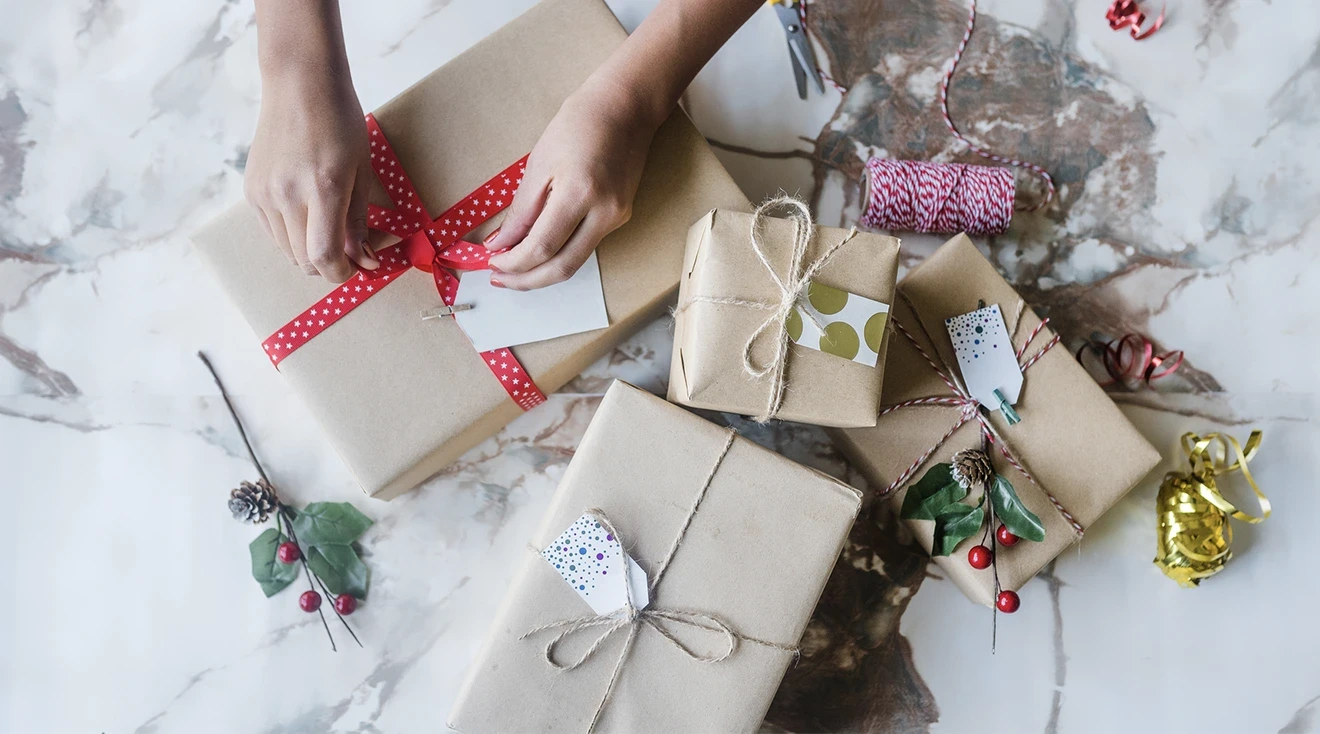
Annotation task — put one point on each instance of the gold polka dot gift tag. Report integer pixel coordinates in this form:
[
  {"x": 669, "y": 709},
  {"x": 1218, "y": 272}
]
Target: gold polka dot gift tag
[{"x": 840, "y": 323}]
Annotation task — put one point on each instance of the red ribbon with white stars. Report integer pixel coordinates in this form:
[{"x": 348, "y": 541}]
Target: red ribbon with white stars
[{"x": 432, "y": 245}]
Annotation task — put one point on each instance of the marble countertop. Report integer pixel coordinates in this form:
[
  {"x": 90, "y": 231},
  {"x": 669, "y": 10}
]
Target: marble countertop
[{"x": 1187, "y": 211}]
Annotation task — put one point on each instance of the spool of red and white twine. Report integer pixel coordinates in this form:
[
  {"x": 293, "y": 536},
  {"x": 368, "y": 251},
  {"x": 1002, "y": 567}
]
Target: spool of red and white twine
[{"x": 919, "y": 196}]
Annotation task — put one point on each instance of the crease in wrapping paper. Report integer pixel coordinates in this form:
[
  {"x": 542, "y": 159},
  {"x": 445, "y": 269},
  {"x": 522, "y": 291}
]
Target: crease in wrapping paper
[
  {"x": 642, "y": 461},
  {"x": 419, "y": 396},
  {"x": 706, "y": 370},
  {"x": 1072, "y": 437}
]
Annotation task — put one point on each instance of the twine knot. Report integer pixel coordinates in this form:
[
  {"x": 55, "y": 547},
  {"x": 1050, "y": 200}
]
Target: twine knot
[{"x": 792, "y": 290}]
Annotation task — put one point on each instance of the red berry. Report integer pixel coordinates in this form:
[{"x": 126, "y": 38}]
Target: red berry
[
  {"x": 310, "y": 601},
  {"x": 1005, "y": 536},
  {"x": 1008, "y": 602},
  {"x": 288, "y": 552},
  {"x": 979, "y": 557},
  {"x": 345, "y": 604}
]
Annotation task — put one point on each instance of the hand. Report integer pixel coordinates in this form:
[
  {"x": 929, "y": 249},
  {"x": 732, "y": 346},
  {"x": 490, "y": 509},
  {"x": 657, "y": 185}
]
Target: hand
[
  {"x": 578, "y": 187},
  {"x": 308, "y": 172}
]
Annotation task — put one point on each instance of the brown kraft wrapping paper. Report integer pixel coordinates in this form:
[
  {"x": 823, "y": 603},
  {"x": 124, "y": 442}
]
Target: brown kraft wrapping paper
[
  {"x": 399, "y": 397},
  {"x": 707, "y": 371},
  {"x": 756, "y": 555},
  {"x": 1072, "y": 437}
]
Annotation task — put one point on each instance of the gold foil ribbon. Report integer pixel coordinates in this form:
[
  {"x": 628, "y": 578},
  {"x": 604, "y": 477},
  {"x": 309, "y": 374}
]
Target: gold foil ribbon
[{"x": 1194, "y": 536}]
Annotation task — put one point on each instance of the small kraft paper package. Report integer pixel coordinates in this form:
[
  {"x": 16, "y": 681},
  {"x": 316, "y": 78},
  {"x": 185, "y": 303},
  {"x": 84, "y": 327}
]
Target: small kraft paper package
[
  {"x": 668, "y": 586},
  {"x": 778, "y": 318},
  {"x": 399, "y": 395},
  {"x": 990, "y": 427}
]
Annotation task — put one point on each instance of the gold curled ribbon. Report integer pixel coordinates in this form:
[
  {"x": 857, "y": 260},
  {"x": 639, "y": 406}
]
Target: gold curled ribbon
[{"x": 1194, "y": 536}]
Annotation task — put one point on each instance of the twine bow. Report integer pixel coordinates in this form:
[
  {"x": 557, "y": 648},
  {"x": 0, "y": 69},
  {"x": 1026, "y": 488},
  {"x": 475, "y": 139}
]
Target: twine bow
[
  {"x": 792, "y": 289},
  {"x": 969, "y": 409},
  {"x": 1194, "y": 536},
  {"x": 633, "y": 619}
]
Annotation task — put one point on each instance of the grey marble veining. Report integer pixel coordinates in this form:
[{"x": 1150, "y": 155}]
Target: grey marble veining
[{"x": 1187, "y": 211}]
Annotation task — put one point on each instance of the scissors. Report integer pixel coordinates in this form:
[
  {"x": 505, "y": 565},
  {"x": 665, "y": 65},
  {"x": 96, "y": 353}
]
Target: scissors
[{"x": 799, "y": 46}]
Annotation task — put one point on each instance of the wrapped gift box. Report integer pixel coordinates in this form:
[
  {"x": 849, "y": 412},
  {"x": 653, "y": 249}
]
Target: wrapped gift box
[
  {"x": 763, "y": 537},
  {"x": 1072, "y": 438},
  {"x": 399, "y": 397},
  {"x": 707, "y": 368}
]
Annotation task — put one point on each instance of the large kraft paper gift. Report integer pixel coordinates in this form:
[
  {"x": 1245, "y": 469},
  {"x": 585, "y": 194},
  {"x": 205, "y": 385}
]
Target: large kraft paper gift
[
  {"x": 1081, "y": 453},
  {"x": 736, "y": 542},
  {"x": 400, "y": 397},
  {"x": 726, "y": 325}
]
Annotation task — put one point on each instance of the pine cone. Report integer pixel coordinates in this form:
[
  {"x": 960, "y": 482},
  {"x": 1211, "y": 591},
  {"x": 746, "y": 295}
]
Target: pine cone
[
  {"x": 253, "y": 503},
  {"x": 971, "y": 467}
]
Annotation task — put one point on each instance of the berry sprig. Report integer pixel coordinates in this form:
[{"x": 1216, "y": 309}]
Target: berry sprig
[
  {"x": 939, "y": 496},
  {"x": 321, "y": 538}
]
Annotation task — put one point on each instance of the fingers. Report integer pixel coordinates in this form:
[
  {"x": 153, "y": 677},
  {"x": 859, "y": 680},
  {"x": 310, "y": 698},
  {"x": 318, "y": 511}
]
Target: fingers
[
  {"x": 294, "y": 217},
  {"x": 281, "y": 241},
  {"x": 326, "y": 234},
  {"x": 527, "y": 205},
  {"x": 280, "y": 231},
  {"x": 549, "y": 232},
  {"x": 566, "y": 262},
  {"x": 355, "y": 242}
]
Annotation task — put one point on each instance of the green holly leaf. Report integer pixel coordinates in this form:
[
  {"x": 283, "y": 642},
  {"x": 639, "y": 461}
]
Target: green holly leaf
[
  {"x": 931, "y": 494},
  {"x": 330, "y": 523},
  {"x": 266, "y": 567},
  {"x": 1012, "y": 513},
  {"x": 954, "y": 525},
  {"x": 339, "y": 568}
]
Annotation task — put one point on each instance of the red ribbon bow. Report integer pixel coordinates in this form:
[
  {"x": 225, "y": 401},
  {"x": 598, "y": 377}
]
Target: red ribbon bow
[
  {"x": 1125, "y": 14},
  {"x": 434, "y": 245}
]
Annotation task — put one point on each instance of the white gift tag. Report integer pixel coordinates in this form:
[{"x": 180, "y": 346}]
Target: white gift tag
[
  {"x": 985, "y": 356},
  {"x": 592, "y": 561},
  {"x": 501, "y": 317}
]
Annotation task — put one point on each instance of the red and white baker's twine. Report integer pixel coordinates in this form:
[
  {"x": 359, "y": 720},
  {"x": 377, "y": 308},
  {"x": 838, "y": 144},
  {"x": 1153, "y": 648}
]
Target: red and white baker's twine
[
  {"x": 969, "y": 410},
  {"x": 431, "y": 245},
  {"x": 919, "y": 196},
  {"x": 948, "y": 121}
]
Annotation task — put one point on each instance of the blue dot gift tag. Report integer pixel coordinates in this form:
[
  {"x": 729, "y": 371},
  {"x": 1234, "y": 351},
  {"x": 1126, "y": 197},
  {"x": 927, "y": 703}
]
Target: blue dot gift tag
[
  {"x": 592, "y": 561},
  {"x": 985, "y": 356}
]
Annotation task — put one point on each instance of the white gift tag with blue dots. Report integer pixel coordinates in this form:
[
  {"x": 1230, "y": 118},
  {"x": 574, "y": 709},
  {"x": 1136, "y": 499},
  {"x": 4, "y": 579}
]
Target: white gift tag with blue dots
[
  {"x": 985, "y": 355},
  {"x": 592, "y": 561}
]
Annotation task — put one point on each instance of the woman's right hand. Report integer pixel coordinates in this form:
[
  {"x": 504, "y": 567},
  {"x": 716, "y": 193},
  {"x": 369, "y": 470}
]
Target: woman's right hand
[{"x": 309, "y": 168}]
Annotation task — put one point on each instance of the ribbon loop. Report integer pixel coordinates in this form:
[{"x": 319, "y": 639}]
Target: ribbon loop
[
  {"x": 1194, "y": 539},
  {"x": 431, "y": 245},
  {"x": 792, "y": 289},
  {"x": 633, "y": 619}
]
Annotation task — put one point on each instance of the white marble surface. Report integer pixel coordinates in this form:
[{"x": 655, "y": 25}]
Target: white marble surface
[{"x": 129, "y": 605}]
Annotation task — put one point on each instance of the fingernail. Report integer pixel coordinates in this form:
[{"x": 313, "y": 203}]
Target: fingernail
[
  {"x": 495, "y": 282},
  {"x": 491, "y": 237},
  {"x": 374, "y": 261},
  {"x": 494, "y": 269}
]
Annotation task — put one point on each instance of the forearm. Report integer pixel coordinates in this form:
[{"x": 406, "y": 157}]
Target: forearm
[
  {"x": 661, "y": 58},
  {"x": 301, "y": 39}
]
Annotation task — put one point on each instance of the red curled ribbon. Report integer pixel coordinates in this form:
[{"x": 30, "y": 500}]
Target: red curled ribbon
[
  {"x": 433, "y": 245},
  {"x": 1125, "y": 14},
  {"x": 1132, "y": 358}
]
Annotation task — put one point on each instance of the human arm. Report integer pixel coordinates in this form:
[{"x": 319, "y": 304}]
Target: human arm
[{"x": 584, "y": 171}]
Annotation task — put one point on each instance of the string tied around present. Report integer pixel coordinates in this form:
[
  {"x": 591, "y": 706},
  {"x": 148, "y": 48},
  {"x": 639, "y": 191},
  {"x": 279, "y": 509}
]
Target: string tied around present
[
  {"x": 969, "y": 409},
  {"x": 632, "y": 619},
  {"x": 1194, "y": 539},
  {"x": 792, "y": 289}
]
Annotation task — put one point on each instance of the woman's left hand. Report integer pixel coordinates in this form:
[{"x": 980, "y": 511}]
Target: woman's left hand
[{"x": 578, "y": 187}]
